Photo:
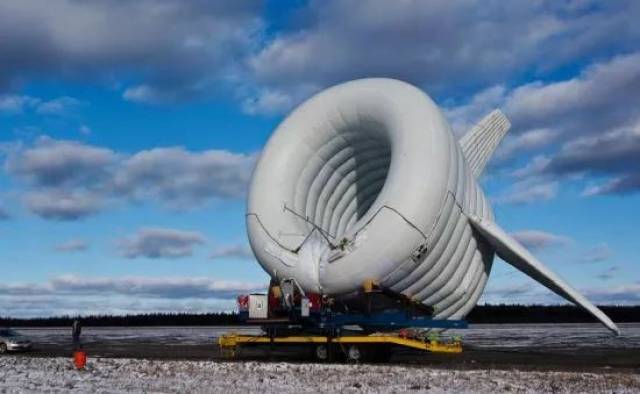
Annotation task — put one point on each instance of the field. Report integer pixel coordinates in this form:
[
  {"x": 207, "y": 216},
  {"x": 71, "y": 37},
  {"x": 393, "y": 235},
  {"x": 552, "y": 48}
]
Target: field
[
  {"x": 127, "y": 375},
  {"x": 497, "y": 358}
]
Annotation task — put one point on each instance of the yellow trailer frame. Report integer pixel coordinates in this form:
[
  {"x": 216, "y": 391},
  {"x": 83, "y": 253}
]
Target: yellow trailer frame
[{"x": 229, "y": 343}]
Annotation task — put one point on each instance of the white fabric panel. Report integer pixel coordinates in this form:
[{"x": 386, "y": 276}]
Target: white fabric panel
[
  {"x": 437, "y": 243},
  {"x": 450, "y": 281},
  {"x": 456, "y": 299}
]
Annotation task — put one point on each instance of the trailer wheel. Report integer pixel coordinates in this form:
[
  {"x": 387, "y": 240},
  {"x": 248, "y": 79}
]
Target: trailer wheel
[
  {"x": 322, "y": 353},
  {"x": 354, "y": 353}
]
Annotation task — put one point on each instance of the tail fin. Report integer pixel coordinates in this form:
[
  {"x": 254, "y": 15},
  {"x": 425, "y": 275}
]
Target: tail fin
[
  {"x": 515, "y": 254},
  {"x": 480, "y": 142}
]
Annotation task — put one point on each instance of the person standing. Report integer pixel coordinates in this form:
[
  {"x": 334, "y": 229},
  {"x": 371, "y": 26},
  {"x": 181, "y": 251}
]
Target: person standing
[{"x": 76, "y": 330}]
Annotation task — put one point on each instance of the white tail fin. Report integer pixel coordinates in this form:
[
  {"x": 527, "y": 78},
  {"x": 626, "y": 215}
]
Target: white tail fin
[
  {"x": 515, "y": 254},
  {"x": 480, "y": 142}
]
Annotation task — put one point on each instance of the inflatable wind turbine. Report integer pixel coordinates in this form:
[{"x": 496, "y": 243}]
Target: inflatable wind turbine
[{"x": 366, "y": 182}]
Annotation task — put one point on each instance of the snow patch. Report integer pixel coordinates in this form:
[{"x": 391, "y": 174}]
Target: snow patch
[{"x": 25, "y": 374}]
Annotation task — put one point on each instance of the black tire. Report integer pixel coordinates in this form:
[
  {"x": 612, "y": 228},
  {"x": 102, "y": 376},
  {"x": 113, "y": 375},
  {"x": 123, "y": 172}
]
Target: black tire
[
  {"x": 354, "y": 353},
  {"x": 322, "y": 353},
  {"x": 3, "y": 348}
]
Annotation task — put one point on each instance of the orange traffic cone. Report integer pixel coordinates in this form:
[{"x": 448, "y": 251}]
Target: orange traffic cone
[{"x": 80, "y": 359}]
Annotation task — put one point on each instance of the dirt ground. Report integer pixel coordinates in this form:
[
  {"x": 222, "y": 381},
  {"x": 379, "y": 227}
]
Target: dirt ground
[
  {"x": 156, "y": 360},
  {"x": 585, "y": 360}
]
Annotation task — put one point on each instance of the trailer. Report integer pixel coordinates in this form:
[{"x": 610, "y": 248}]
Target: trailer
[
  {"x": 364, "y": 327},
  {"x": 352, "y": 348}
]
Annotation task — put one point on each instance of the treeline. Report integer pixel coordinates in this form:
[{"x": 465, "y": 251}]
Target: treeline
[
  {"x": 548, "y": 314},
  {"x": 497, "y": 314}
]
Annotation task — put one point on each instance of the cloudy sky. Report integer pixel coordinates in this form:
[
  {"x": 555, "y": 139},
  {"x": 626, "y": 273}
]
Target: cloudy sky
[{"x": 128, "y": 133}]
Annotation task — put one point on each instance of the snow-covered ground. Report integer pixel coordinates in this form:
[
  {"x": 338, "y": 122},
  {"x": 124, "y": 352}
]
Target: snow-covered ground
[{"x": 25, "y": 374}]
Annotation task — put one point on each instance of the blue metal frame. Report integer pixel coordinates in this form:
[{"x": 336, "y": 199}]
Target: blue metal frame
[
  {"x": 386, "y": 320},
  {"x": 392, "y": 320}
]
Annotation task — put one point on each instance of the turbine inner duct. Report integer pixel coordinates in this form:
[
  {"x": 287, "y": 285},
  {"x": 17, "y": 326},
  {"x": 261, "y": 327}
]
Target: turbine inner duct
[{"x": 333, "y": 193}]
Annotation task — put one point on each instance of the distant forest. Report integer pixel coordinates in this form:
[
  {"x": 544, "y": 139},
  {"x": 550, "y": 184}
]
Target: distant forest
[
  {"x": 480, "y": 314},
  {"x": 549, "y": 314}
]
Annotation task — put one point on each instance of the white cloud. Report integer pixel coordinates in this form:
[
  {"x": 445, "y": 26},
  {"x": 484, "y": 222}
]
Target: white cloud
[
  {"x": 525, "y": 192},
  {"x": 213, "y": 48},
  {"x": 527, "y": 292},
  {"x": 536, "y": 239},
  {"x": 11, "y": 103},
  {"x": 154, "y": 95},
  {"x": 597, "y": 254},
  {"x": 511, "y": 290},
  {"x": 72, "y": 245},
  {"x": 595, "y": 97},
  {"x": 618, "y": 185},
  {"x": 528, "y": 141},
  {"x": 66, "y": 180},
  {"x": 232, "y": 251},
  {"x": 614, "y": 154},
  {"x": 85, "y": 130},
  {"x": 154, "y": 242},
  {"x": 532, "y": 293},
  {"x": 268, "y": 102},
  {"x": 18, "y": 104},
  {"x": 167, "y": 287},
  {"x": 589, "y": 115},
  {"x": 54, "y": 163},
  {"x": 464, "y": 117},
  {"x": 624, "y": 294},
  {"x": 141, "y": 93},
  {"x": 593, "y": 101},
  {"x": 55, "y": 204},
  {"x": 534, "y": 168},
  {"x": 58, "y": 106},
  {"x": 437, "y": 45},
  {"x": 181, "y": 178},
  {"x": 72, "y": 305},
  {"x": 74, "y": 295},
  {"x": 173, "y": 47}
]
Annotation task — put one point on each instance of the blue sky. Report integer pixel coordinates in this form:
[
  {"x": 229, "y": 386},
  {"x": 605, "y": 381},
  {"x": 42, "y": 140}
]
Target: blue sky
[{"x": 128, "y": 131}]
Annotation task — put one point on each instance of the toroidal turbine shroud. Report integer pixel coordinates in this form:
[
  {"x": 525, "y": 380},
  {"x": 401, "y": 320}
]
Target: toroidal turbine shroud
[
  {"x": 365, "y": 181},
  {"x": 375, "y": 157}
]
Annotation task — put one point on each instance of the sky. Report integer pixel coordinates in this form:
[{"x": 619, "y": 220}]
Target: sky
[{"x": 129, "y": 130}]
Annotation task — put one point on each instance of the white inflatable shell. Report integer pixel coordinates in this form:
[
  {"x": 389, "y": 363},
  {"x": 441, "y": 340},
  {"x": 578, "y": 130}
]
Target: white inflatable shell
[
  {"x": 365, "y": 181},
  {"x": 372, "y": 162}
]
